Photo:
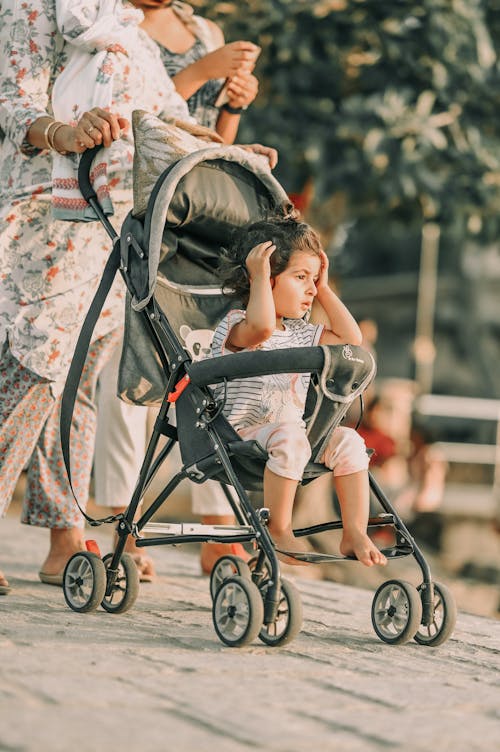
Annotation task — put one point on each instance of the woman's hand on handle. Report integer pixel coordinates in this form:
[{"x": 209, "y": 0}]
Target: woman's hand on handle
[{"x": 95, "y": 127}]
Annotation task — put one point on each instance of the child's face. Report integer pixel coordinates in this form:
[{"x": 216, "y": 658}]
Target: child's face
[{"x": 295, "y": 289}]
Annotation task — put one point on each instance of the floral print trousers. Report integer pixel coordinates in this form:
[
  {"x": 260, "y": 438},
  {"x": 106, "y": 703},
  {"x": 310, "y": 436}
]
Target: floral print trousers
[{"x": 29, "y": 438}]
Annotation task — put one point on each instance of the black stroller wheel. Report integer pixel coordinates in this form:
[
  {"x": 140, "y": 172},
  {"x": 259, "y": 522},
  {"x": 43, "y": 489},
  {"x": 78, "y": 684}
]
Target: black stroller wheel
[
  {"x": 126, "y": 586},
  {"x": 237, "y": 612},
  {"x": 396, "y": 612},
  {"x": 288, "y": 622},
  {"x": 84, "y": 581},
  {"x": 444, "y": 617},
  {"x": 259, "y": 577},
  {"x": 226, "y": 567}
]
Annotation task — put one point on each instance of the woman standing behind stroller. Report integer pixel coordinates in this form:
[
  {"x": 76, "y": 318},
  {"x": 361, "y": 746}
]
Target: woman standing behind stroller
[
  {"x": 193, "y": 52},
  {"x": 50, "y": 269},
  {"x": 276, "y": 269}
]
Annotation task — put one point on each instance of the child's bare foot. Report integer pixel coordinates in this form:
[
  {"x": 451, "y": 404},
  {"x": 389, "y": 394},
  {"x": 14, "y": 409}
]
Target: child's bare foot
[
  {"x": 360, "y": 546},
  {"x": 286, "y": 541}
]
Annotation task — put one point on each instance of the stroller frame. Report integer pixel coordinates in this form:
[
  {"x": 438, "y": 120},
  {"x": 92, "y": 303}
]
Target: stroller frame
[{"x": 429, "y": 611}]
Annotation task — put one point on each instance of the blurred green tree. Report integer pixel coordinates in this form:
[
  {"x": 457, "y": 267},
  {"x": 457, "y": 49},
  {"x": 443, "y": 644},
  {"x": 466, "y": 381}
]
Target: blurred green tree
[
  {"x": 392, "y": 104},
  {"x": 386, "y": 113}
]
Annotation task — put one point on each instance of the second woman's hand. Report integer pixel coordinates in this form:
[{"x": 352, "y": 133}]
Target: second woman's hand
[
  {"x": 227, "y": 60},
  {"x": 266, "y": 151},
  {"x": 242, "y": 89}
]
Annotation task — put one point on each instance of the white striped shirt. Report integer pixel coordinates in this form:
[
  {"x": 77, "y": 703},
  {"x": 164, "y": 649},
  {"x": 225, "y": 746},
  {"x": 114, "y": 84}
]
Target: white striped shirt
[{"x": 273, "y": 398}]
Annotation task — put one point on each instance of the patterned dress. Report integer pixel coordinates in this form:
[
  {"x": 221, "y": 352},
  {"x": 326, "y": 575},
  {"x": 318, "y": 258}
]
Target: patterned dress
[
  {"x": 50, "y": 269},
  {"x": 202, "y": 103}
]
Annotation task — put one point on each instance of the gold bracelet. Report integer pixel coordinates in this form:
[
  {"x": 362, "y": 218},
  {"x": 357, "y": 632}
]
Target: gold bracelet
[
  {"x": 45, "y": 132},
  {"x": 56, "y": 124}
]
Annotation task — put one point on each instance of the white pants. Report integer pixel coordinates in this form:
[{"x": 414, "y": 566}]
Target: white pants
[
  {"x": 289, "y": 449},
  {"x": 120, "y": 448}
]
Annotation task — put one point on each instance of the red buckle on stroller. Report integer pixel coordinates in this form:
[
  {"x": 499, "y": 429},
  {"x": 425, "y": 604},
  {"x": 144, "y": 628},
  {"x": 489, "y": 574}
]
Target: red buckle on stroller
[
  {"x": 93, "y": 547},
  {"x": 179, "y": 388}
]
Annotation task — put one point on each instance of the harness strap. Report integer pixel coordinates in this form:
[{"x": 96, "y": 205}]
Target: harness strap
[{"x": 77, "y": 364}]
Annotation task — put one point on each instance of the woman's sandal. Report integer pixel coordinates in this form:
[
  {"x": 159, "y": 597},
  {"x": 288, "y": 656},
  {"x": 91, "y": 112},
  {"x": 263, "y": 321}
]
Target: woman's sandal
[
  {"x": 4, "y": 586},
  {"x": 51, "y": 579}
]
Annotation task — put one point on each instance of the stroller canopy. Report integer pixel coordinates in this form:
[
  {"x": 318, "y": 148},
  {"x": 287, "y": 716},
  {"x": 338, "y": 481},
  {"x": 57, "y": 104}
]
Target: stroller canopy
[{"x": 190, "y": 194}]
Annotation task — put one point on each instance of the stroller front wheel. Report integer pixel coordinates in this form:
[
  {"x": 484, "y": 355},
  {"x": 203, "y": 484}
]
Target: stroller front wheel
[
  {"x": 226, "y": 567},
  {"x": 237, "y": 611},
  {"x": 84, "y": 581},
  {"x": 396, "y": 612},
  {"x": 444, "y": 616},
  {"x": 288, "y": 622},
  {"x": 125, "y": 588}
]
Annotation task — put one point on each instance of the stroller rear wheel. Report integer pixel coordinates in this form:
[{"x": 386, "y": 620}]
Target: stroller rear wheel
[
  {"x": 125, "y": 588},
  {"x": 288, "y": 622},
  {"x": 84, "y": 581},
  {"x": 396, "y": 612},
  {"x": 226, "y": 567},
  {"x": 237, "y": 611},
  {"x": 444, "y": 616}
]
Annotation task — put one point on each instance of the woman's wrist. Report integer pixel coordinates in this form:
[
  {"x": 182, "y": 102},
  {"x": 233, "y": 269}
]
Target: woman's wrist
[
  {"x": 53, "y": 133},
  {"x": 233, "y": 110},
  {"x": 45, "y": 134}
]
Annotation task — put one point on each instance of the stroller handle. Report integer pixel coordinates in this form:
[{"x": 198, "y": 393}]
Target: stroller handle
[
  {"x": 86, "y": 187},
  {"x": 241, "y": 365}
]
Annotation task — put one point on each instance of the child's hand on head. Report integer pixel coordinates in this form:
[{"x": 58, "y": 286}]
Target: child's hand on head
[
  {"x": 323, "y": 272},
  {"x": 258, "y": 263}
]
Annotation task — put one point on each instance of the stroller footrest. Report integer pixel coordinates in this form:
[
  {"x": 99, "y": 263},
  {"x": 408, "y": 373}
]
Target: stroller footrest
[
  {"x": 313, "y": 557},
  {"x": 383, "y": 519}
]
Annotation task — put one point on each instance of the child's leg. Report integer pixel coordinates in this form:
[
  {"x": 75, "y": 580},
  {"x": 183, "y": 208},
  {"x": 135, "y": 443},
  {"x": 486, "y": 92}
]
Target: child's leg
[
  {"x": 354, "y": 499},
  {"x": 346, "y": 456},
  {"x": 289, "y": 451},
  {"x": 279, "y": 496}
]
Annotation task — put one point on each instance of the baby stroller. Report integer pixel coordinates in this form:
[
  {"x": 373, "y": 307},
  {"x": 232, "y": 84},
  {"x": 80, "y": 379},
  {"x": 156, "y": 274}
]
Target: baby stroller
[{"x": 174, "y": 237}]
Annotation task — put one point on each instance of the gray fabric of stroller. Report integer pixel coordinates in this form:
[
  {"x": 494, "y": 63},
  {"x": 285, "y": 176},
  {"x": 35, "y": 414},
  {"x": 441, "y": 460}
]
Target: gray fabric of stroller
[{"x": 198, "y": 202}]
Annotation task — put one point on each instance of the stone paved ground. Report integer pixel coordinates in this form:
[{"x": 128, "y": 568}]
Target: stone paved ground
[{"x": 157, "y": 677}]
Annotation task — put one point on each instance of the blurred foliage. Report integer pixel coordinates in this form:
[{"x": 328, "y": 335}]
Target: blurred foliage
[{"x": 390, "y": 107}]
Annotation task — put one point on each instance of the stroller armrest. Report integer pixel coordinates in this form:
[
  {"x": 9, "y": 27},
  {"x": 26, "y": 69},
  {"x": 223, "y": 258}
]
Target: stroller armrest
[{"x": 247, "y": 364}]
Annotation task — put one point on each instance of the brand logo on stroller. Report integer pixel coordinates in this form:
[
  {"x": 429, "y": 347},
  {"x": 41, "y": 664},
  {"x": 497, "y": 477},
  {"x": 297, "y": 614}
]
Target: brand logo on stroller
[{"x": 348, "y": 354}]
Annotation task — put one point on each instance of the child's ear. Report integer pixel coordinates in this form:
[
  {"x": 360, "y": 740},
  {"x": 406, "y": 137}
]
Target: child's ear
[{"x": 272, "y": 280}]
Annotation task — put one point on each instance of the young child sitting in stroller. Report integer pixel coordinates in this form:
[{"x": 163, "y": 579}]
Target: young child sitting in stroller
[{"x": 276, "y": 268}]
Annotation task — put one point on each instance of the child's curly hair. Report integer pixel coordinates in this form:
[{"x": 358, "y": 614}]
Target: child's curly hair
[{"x": 288, "y": 234}]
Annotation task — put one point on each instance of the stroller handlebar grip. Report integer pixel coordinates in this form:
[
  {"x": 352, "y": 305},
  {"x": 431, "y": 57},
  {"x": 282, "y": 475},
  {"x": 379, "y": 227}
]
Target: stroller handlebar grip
[
  {"x": 86, "y": 187},
  {"x": 245, "y": 364}
]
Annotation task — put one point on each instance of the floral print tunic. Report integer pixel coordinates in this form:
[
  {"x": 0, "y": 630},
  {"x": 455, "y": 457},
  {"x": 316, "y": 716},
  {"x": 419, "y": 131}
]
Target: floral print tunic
[{"x": 50, "y": 269}]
